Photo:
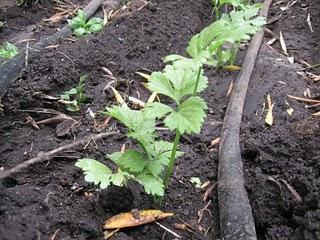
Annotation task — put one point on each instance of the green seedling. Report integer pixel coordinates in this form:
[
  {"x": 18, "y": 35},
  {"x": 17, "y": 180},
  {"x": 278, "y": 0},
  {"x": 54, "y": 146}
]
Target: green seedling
[
  {"x": 145, "y": 165},
  {"x": 217, "y": 44},
  {"x": 73, "y": 98},
  {"x": 152, "y": 164},
  {"x": 182, "y": 85},
  {"x": 82, "y": 27},
  {"x": 226, "y": 34},
  {"x": 228, "y": 56},
  {"x": 8, "y": 50}
]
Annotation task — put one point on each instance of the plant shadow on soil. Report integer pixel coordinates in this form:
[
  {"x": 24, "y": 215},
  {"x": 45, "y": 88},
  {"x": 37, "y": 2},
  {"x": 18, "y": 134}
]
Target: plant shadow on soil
[{"x": 53, "y": 195}]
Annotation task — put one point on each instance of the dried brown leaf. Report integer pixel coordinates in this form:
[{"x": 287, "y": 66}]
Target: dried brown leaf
[{"x": 135, "y": 218}]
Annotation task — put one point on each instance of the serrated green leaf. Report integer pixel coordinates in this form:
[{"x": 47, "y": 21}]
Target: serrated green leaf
[
  {"x": 159, "y": 83},
  {"x": 130, "y": 160},
  {"x": 131, "y": 118},
  {"x": 163, "y": 149},
  {"x": 77, "y": 23},
  {"x": 162, "y": 152},
  {"x": 155, "y": 167},
  {"x": 156, "y": 110},
  {"x": 120, "y": 178},
  {"x": 94, "y": 28},
  {"x": 191, "y": 63},
  {"x": 152, "y": 185},
  {"x": 237, "y": 26},
  {"x": 82, "y": 15},
  {"x": 79, "y": 32},
  {"x": 202, "y": 40},
  {"x": 114, "y": 157},
  {"x": 72, "y": 91},
  {"x": 65, "y": 97},
  {"x": 73, "y": 106},
  {"x": 141, "y": 127},
  {"x": 8, "y": 50},
  {"x": 177, "y": 82},
  {"x": 189, "y": 117},
  {"x": 94, "y": 20},
  {"x": 184, "y": 81},
  {"x": 95, "y": 172}
]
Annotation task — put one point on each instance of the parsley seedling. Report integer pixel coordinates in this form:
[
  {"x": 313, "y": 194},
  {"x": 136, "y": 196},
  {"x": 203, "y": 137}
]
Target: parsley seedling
[
  {"x": 82, "y": 27},
  {"x": 232, "y": 28},
  {"x": 144, "y": 165},
  {"x": 8, "y": 50},
  {"x": 73, "y": 98},
  {"x": 151, "y": 162}
]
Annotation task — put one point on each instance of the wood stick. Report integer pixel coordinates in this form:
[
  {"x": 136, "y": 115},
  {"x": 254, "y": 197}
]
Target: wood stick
[
  {"x": 306, "y": 100},
  {"x": 45, "y": 156}
]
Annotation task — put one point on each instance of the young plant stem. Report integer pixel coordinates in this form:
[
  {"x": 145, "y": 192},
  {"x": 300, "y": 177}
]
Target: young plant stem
[
  {"x": 172, "y": 158},
  {"x": 197, "y": 82},
  {"x": 144, "y": 150},
  {"x": 234, "y": 53},
  {"x": 176, "y": 141},
  {"x": 217, "y": 12}
]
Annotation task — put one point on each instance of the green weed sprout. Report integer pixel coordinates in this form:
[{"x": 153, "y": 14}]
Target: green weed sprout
[
  {"x": 73, "y": 98},
  {"x": 82, "y": 27},
  {"x": 8, "y": 50}
]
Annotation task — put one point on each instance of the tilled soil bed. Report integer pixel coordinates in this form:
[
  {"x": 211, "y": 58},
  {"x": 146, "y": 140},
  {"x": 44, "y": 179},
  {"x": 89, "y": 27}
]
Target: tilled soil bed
[{"x": 281, "y": 162}]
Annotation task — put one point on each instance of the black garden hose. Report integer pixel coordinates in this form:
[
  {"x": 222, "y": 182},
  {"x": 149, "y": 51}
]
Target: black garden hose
[{"x": 236, "y": 220}]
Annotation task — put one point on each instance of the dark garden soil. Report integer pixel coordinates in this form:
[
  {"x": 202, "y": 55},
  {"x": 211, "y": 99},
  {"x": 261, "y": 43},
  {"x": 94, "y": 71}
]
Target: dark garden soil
[
  {"x": 26, "y": 22},
  {"x": 52, "y": 198}
]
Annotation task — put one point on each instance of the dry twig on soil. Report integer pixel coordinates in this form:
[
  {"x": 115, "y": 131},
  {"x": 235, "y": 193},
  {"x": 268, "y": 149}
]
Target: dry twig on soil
[
  {"x": 305, "y": 100},
  {"x": 45, "y": 156}
]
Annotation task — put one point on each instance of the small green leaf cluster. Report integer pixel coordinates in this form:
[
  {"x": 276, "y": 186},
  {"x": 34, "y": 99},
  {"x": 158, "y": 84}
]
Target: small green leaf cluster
[
  {"x": 73, "y": 98},
  {"x": 82, "y": 27},
  {"x": 182, "y": 84},
  {"x": 223, "y": 37},
  {"x": 144, "y": 164},
  {"x": 151, "y": 163},
  {"x": 8, "y": 50}
]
